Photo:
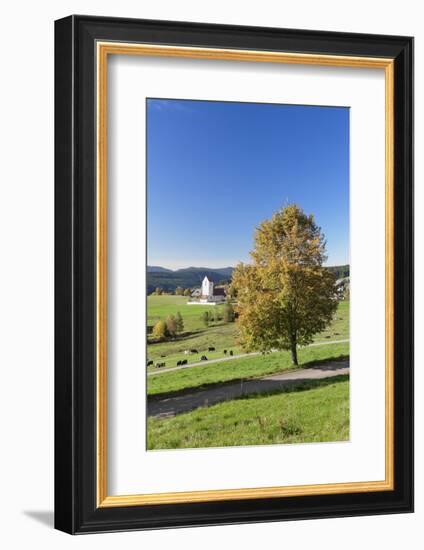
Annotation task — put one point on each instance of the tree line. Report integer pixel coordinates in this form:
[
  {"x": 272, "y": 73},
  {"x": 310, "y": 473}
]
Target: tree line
[
  {"x": 228, "y": 315},
  {"x": 168, "y": 328},
  {"x": 179, "y": 291},
  {"x": 174, "y": 324}
]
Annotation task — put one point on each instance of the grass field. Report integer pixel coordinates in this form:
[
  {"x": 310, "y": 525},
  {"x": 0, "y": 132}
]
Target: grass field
[
  {"x": 239, "y": 369},
  {"x": 318, "y": 411},
  {"x": 159, "y": 307},
  {"x": 313, "y": 412},
  {"x": 218, "y": 334}
]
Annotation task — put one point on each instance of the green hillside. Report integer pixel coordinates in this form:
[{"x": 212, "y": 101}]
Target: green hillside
[
  {"x": 192, "y": 277},
  {"x": 340, "y": 271}
]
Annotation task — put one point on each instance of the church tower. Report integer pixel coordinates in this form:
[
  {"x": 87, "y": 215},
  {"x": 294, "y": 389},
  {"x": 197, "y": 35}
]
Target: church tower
[{"x": 207, "y": 288}]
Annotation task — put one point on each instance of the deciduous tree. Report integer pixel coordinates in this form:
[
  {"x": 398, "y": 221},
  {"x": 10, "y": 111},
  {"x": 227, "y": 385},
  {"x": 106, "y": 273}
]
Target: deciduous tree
[
  {"x": 171, "y": 325},
  {"x": 205, "y": 318},
  {"x": 285, "y": 295},
  {"x": 228, "y": 313},
  {"x": 179, "y": 322},
  {"x": 159, "y": 330}
]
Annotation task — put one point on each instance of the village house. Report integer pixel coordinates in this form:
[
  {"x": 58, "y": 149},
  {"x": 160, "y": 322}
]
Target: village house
[{"x": 208, "y": 294}]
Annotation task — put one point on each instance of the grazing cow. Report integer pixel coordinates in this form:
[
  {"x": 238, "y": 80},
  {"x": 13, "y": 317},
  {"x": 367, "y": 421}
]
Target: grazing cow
[
  {"x": 149, "y": 363},
  {"x": 179, "y": 363},
  {"x": 211, "y": 349},
  {"x": 194, "y": 351},
  {"x": 160, "y": 365},
  {"x": 184, "y": 362},
  {"x": 231, "y": 352},
  {"x": 203, "y": 358},
  {"x": 225, "y": 352},
  {"x": 186, "y": 352}
]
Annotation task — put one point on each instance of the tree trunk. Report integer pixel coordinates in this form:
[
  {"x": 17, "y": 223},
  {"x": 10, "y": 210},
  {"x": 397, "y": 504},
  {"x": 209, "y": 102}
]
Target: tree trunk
[{"x": 293, "y": 349}]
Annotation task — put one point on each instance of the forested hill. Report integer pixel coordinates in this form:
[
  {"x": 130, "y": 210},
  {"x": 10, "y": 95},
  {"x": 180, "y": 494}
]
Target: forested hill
[
  {"x": 340, "y": 271},
  {"x": 191, "y": 277}
]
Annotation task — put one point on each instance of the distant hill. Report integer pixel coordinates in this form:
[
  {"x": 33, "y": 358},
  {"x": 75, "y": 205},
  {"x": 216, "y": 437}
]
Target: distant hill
[
  {"x": 157, "y": 269},
  {"x": 340, "y": 271},
  {"x": 192, "y": 277},
  {"x": 225, "y": 271},
  {"x": 189, "y": 277}
]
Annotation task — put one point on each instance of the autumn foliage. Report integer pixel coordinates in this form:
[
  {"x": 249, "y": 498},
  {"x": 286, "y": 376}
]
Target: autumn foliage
[{"x": 286, "y": 295}]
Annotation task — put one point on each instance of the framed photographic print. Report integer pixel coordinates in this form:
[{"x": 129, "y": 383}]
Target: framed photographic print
[{"x": 233, "y": 274}]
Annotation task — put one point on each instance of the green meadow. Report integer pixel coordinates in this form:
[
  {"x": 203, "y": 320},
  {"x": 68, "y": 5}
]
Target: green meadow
[
  {"x": 159, "y": 307},
  {"x": 220, "y": 335},
  {"x": 317, "y": 411},
  {"x": 202, "y": 376}
]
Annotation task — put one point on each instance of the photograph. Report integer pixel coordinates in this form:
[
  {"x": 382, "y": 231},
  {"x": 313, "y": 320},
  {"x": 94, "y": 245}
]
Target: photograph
[
  {"x": 248, "y": 274},
  {"x": 217, "y": 188}
]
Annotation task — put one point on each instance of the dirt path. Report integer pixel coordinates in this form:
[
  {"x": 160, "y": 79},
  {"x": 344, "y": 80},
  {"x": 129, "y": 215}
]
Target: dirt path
[
  {"x": 204, "y": 398},
  {"x": 230, "y": 358}
]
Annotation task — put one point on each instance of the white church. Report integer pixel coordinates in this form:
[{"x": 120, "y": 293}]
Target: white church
[{"x": 209, "y": 294}]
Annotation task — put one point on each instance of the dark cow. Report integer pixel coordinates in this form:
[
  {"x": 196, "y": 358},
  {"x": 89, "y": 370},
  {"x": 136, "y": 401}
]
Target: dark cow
[
  {"x": 194, "y": 351},
  {"x": 149, "y": 363},
  {"x": 231, "y": 352},
  {"x": 225, "y": 352},
  {"x": 179, "y": 363},
  {"x": 159, "y": 365},
  {"x": 203, "y": 358},
  {"x": 211, "y": 349},
  {"x": 184, "y": 362}
]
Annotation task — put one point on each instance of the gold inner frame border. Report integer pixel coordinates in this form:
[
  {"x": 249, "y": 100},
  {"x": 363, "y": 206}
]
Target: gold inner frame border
[{"x": 103, "y": 50}]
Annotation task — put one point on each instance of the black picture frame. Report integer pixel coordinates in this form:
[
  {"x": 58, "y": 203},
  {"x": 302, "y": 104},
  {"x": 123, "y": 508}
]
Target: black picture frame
[{"x": 76, "y": 510}]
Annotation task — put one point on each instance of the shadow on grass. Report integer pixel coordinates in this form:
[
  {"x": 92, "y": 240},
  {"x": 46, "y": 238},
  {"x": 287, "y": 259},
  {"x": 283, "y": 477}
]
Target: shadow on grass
[
  {"x": 189, "y": 335},
  {"x": 331, "y": 364},
  {"x": 297, "y": 386},
  {"x": 249, "y": 389},
  {"x": 179, "y": 338}
]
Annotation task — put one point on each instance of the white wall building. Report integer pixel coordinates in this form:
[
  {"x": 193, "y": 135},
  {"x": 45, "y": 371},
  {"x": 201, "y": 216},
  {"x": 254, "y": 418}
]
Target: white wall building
[
  {"x": 207, "y": 288},
  {"x": 209, "y": 294}
]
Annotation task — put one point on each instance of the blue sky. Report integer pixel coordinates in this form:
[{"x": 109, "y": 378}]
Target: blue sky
[{"x": 215, "y": 170}]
